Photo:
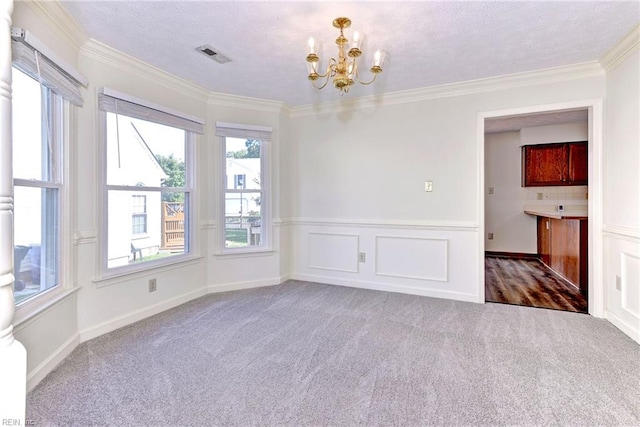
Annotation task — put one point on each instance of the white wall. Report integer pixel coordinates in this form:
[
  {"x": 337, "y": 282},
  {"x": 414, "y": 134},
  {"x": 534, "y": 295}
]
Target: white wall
[
  {"x": 622, "y": 195},
  {"x": 362, "y": 172},
  {"x": 515, "y": 231}
]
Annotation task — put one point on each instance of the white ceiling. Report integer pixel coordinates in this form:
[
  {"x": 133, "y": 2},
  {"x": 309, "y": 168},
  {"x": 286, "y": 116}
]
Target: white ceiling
[
  {"x": 428, "y": 43},
  {"x": 514, "y": 123}
]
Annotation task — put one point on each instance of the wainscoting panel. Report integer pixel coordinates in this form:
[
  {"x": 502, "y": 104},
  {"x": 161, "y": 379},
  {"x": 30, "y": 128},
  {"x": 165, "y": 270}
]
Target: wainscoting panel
[
  {"x": 622, "y": 279},
  {"x": 434, "y": 260},
  {"x": 337, "y": 252},
  {"x": 630, "y": 283},
  {"x": 412, "y": 257}
]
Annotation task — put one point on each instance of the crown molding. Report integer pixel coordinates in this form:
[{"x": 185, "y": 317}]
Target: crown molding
[
  {"x": 61, "y": 21},
  {"x": 490, "y": 84},
  {"x": 107, "y": 55},
  {"x": 623, "y": 49},
  {"x": 219, "y": 99}
]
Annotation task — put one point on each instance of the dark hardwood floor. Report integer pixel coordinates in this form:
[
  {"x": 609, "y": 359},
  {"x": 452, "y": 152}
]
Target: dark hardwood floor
[{"x": 530, "y": 283}]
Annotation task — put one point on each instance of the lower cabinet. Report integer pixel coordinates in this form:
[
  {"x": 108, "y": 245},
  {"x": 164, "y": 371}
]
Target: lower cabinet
[{"x": 563, "y": 245}]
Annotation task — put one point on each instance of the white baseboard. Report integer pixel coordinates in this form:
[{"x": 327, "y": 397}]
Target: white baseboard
[
  {"x": 127, "y": 319},
  {"x": 38, "y": 373},
  {"x": 236, "y": 286},
  {"x": 633, "y": 333},
  {"x": 458, "y": 296}
]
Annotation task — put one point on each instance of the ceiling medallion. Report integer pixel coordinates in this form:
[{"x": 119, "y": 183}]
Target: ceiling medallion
[{"x": 344, "y": 70}]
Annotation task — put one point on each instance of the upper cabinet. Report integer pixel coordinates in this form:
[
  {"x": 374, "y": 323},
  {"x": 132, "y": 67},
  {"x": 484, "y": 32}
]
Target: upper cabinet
[
  {"x": 578, "y": 165},
  {"x": 554, "y": 164}
]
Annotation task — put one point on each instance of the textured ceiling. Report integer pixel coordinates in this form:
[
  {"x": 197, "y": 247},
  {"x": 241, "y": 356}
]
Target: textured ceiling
[
  {"x": 514, "y": 123},
  {"x": 428, "y": 43}
]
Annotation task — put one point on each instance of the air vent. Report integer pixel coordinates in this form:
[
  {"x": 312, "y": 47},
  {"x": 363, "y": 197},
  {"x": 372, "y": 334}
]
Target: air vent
[{"x": 211, "y": 52}]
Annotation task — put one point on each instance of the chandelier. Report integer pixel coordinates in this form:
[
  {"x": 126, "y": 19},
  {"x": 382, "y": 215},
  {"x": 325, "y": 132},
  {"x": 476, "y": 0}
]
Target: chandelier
[{"x": 344, "y": 70}]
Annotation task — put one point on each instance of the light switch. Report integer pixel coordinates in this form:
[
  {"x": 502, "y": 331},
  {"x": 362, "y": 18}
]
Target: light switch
[
  {"x": 428, "y": 186},
  {"x": 491, "y": 190}
]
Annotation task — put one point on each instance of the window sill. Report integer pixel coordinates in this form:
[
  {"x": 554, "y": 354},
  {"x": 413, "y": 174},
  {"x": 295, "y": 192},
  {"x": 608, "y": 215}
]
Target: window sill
[
  {"x": 144, "y": 270},
  {"x": 38, "y": 305},
  {"x": 244, "y": 253}
]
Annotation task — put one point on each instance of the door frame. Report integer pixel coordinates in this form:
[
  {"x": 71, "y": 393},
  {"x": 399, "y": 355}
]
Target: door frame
[{"x": 595, "y": 202}]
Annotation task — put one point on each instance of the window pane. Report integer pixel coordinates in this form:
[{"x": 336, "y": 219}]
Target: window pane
[
  {"x": 30, "y": 153},
  {"x": 243, "y": 164},
  {"x": 36, "y": 241},
  {"x": 142, "y": 153},
  {"x": 145, "y": 226},
  {"x": 242, "y": 219}
]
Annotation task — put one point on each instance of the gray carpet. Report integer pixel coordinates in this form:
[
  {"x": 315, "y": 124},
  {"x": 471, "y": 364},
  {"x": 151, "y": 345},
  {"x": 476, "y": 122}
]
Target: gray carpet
[{"x": 309, "y": 354}]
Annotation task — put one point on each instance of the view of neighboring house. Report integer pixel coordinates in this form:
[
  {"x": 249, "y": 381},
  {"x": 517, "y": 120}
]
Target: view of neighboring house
[
  {"x": 242, "y": 174},
  {"x": 134, "y": 216},
  {"x": 243, "y": 194}
]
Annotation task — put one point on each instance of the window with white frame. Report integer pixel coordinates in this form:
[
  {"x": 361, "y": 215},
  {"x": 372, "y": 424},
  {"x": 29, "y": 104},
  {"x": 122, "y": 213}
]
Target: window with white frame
[
  {"x": 139, "y": 215},
  {"x": 148, "y": 182},
  {"x": 246, "y": 186},
  {"x": 41, "y": 94},
  {"x": 37, "y": 185}
]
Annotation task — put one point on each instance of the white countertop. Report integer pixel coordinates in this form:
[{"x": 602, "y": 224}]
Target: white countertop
[{"x": 554, "y": 213}]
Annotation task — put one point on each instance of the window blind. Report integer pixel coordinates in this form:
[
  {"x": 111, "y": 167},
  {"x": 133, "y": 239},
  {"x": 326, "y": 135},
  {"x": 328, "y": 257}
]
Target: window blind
[
  {"x": 115, "y": 102},
  {"x": 39, "y": 66},
  {"x": 234, "y": 130}
]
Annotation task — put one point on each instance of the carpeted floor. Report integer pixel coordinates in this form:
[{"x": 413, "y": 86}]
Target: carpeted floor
[{"x": 309, "y": 354}]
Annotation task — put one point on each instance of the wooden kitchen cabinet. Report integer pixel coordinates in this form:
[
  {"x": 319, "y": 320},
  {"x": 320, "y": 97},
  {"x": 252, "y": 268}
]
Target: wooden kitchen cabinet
[
  {"x": 578, "y": 164},
  {"x": 554, "y": 164},
  {"x": 544, "y": 239},
  {"x": 563, "y": 246}
]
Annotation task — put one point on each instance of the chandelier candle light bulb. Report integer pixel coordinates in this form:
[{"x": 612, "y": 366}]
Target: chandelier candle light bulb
[
  {"x": 356, "y": 40},
  {"x": 312, "y": 45},
  {"x": 343, "y": 71}
]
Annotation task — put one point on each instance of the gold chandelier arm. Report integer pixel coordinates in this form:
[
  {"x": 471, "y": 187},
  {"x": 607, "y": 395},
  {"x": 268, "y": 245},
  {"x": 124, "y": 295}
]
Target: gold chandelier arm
[
  {"x": 326, "y": 80},
  {"x": 327, "y": 75},
  {"x": 375, "y": 75}
]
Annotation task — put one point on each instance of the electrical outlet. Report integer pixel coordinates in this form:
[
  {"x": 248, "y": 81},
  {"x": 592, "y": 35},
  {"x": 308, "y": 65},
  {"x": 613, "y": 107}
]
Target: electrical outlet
[
  {"x": 362, "y": 257},
  {"x": 490, "y": 236},
  {"x": 492, "y": 190},
  {"x": 153, "y": 285},
  {"x": 428, "y": 186},
  {"x": 539, "y": 196}
]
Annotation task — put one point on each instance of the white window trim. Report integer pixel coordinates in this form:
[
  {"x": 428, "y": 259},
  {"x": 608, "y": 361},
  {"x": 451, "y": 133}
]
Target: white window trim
[
  {"x": 107, "y": 275},
  {"x": 265, "y": 192},
  {"x": 62, "y": 115}
]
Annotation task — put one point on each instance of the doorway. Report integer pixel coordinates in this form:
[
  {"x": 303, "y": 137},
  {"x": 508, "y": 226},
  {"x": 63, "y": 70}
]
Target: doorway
[{"x": 514, "y": 268}]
